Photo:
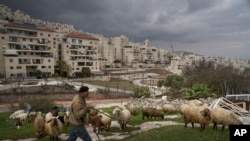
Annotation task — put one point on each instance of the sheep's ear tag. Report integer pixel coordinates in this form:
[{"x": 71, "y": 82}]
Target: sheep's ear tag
[{"x": 239, "y": 132}]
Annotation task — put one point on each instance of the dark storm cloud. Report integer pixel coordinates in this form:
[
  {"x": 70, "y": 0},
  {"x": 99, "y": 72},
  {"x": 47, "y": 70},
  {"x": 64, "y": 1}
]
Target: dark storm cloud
[{"x": 190, "y": 25}]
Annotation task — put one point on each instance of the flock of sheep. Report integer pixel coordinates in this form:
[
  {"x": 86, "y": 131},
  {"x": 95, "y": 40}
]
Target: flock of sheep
[
  {"x": 48, "y": 124},
  {"x": 192, "y": 112}
]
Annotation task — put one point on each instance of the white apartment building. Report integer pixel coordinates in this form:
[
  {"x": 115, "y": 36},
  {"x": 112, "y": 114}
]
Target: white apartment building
[
  {"x": 80, "y": 51},
  {"x": 26, "y": 48}
]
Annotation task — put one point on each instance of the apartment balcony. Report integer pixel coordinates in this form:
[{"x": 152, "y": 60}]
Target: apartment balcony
[
  {"x": 47, "y": 55},
  {"x": 14, "y": 43},
  {"x": 10, "y": 52},
  {"x": 24, "y": 62}
]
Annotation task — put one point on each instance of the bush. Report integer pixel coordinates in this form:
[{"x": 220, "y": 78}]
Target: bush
[
  {"x": 140, "y": 91},
  {"x": 41, "y": 103}
]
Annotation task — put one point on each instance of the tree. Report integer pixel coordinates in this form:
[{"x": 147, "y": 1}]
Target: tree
[
  {"x": 220, "y": 79},
  {"x": 85, "y": 72},
  {"x": 62, "y": 68},
  {"x": 175, "y": 83}
]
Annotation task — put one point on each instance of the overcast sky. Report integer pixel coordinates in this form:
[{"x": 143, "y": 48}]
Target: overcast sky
[{"x": 206, "y": 27}]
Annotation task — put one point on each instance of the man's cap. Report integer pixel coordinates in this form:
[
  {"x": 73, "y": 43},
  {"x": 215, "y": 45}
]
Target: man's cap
[{"x": 84, "y": 89}]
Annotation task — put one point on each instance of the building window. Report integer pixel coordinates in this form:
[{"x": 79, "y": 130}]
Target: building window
[
  {"x": 43, "y": 67},
  {"x": 48, "y": 35},
  {"x": 2, "y": 37},
  {"x": 31, "y": 40},
  {"x": 11, "y": 68},
  {"x": 41, "y": 34},
  {"x": 48, "y": 60},
  {"x": 19, "y": 67},
  {"x": 49, "y": 67},
  {"x": 11, "y": 60}
]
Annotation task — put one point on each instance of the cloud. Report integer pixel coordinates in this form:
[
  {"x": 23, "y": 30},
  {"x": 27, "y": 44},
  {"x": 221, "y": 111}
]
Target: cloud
[{"x": 191, "y": 25}]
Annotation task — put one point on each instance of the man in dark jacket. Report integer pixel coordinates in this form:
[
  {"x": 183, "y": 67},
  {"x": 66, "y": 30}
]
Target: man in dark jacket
[{"x": 77, "y": 116}]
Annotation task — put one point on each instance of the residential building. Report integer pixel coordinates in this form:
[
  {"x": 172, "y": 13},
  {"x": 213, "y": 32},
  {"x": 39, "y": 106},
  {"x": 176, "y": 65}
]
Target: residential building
[
  {"x": 80, "y": 51},
  {"x": 26, "y": 48}
]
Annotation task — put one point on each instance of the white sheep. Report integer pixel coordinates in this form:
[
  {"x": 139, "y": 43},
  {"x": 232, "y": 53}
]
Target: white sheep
[
  {"x": 66, "y": 118},
  {"x": 123, "y": 116},
  {"x": 223, "y": 116},
  {"x": 168, "y": 108},
  {"x": 53, "y": 128},
  {"x": 13, "y": 115},
  {"x": 195, "y": 114},
  {"x": 39, "y": 122},
  {"x": 22, "y": 116},
  {"x": 195, "y": 102}
]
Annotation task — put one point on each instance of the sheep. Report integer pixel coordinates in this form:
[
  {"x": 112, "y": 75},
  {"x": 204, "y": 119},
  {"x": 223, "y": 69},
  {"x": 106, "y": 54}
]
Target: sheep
[
  {"x": 168, "y": 108},
  {"x": 18, "y": 123},
  {"x": 123, "y": 116},
  {"x": 22, "y": 116},
  {"x": 39, "y": 122},
  {"x": 150, "y": 112},
  {"x": 223, "y": 116},
  {"x": 195, "y": 114},
  {"x": 106, "y": 119},
  {"x": 132, "y": 109},
  {"x": 13, "y": 115},
  {"x": 95, "y": 120},
  {"x": 53, "y": 128},
  {"x": 66, "y": 118},
  {"x": 195, "y": 102}
]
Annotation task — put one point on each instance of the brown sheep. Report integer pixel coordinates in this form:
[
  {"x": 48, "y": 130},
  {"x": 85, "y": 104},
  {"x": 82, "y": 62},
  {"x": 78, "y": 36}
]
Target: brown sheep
[
  {"x": 95, "y": 121},
  {"x": 150, "y": 112},
  {"x": 39, "y": 126}
]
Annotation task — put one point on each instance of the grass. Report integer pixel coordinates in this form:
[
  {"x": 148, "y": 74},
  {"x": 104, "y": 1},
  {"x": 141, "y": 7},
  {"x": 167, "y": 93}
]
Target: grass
[
  {"x": 179, "y": 133},
  {"x": 170, "y": 133}
]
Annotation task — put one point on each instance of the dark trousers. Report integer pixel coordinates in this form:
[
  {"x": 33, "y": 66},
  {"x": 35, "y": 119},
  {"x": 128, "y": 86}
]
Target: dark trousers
[{"x": 78, "y": 131}]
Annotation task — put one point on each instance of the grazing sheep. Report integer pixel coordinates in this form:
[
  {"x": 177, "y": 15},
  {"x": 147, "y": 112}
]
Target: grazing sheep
[
  {"x": 168, "y": 108},
  {"x": 195, "y": 114},
  {"x": 18, "y": 123},
  {"x": 132, "y": 109},
  {"x": 13, "y": 115},
  {"x": 195, "y": 102},
  {"x": 95, "y": 120},
  {"x": 150, "y": 112},
  {"x": 123, "y": 116},
  {"x": 22, "y": 116},
  {"x": 53, "y": 128},
  {"x": 39, "y": 126},
  {"x": 223, "y": 116}
]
